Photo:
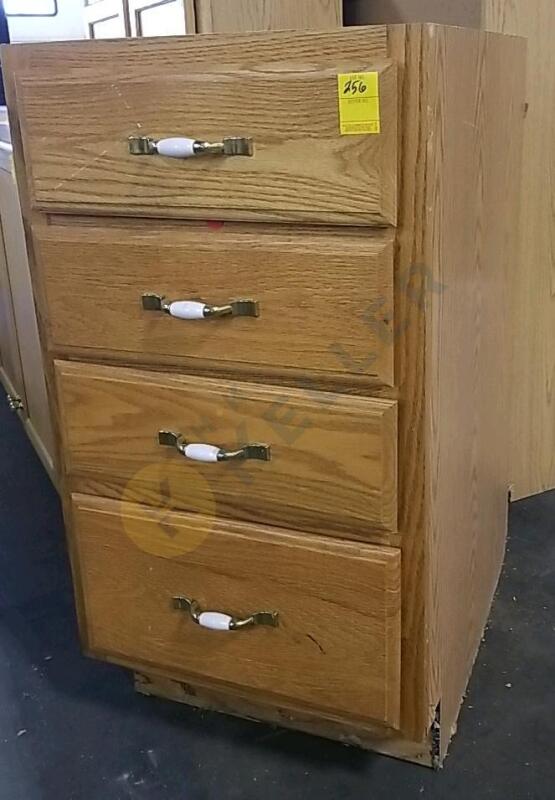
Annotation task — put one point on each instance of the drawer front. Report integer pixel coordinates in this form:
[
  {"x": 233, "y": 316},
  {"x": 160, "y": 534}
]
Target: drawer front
[
  {"x": 325, "y": 299},
  {"x": 301, "y": 167},
  {"x": 336, "y": 644},
  {"x": 332, "y": 466}
]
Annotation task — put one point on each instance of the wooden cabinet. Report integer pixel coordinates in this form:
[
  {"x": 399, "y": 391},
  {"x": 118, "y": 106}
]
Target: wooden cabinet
[
  {"x": 297, "y": 513},
  {"x": 21, "y": 361},
  {"x": 10, "y": 357}
]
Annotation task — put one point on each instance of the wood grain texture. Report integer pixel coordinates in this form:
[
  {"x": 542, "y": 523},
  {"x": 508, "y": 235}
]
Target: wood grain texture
[
  {"x": 419, "y": 692},
  {"x": 302, "y": 168},
  {"x": 476, "y": 88},
  {"x": 533, "y": 283},
  {"x": 455, "y": 199},
  {"x": 11, "y": 371},
  {"x": 338, "y": 605},
  {"x": 37, "y": 410},
  {"x": 326, "y": 298},
  {"x": 333, "y": 465},
  {"x": 284, "y": 714},
  {"x": 230, "y": 16}
]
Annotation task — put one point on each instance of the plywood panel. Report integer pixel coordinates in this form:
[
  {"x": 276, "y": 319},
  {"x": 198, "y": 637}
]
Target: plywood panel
[
  {"x": 533, "y": 286},
  {"x": 476, "y": 97},
  {"x": 10, "y": 357}
]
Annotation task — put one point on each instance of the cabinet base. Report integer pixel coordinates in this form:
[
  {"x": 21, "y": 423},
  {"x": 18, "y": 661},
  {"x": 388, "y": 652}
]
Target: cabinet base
[{"x": 366, "y": 737}]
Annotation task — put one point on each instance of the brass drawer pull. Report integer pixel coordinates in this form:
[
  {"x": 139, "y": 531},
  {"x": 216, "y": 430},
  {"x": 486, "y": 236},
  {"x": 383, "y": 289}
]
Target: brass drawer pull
[
  {"x": 196, "y": 309},
  {"x": 210, "y": 453},
  {"x": 218, "y": 621},
  {"x": 183, "y": 147}
]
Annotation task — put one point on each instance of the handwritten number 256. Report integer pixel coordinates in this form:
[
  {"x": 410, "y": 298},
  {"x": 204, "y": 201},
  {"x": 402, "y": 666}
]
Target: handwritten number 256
[{"x": 355, "y": 87}]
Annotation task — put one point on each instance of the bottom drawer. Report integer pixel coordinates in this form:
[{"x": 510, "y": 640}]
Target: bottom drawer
[{"x": 332, "y": 644}]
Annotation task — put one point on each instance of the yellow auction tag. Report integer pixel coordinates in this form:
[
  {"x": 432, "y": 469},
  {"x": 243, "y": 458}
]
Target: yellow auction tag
[{"x": 359, "y": 102}]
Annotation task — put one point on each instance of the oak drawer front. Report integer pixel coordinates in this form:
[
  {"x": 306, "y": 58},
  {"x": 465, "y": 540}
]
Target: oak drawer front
[
  {"x": 333, "y": 460},
  {"x": 301, "y": 167},
  {"x": 337, "y": 637},
  {"x": 324, "y": 298}
]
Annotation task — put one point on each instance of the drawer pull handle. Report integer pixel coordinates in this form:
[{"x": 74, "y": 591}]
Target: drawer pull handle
[
  {"x": 218, "y": 621},
  {"x": 211, "y": 454},
  {"x": 182, "y": 147},
  {"x": 196, "y": 309}
]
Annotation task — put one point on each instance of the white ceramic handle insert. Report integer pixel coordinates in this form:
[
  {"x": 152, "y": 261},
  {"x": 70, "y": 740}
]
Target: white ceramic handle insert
[
  {"x": 210, "y": 453},
  {"x": 184, "y": 147},
  {"x": 198, "y": 309},
  {"x": 187, "y": 309},
  {"x": 176, "y": 147},
  {"x": 215, "y": 620},
  {"x": 218, "y": 621},
  {"x": 202, "y": 452}
]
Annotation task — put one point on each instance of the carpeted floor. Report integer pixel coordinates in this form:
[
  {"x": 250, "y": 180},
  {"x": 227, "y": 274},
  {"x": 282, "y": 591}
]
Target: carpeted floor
[{"x": 73, "y": 729}]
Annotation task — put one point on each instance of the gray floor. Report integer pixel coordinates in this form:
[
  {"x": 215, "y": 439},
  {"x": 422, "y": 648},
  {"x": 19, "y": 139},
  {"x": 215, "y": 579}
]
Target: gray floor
[{"x": 73, "y": 729}]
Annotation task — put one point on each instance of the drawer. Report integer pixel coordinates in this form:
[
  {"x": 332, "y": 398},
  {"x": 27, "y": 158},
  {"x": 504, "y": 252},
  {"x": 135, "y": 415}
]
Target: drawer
[
  {"x": 324, "y": 298},
  {"x": 335, "y": 645},
  {"x": 333, "y": 458},
  {"x": 301, "y": 167}
]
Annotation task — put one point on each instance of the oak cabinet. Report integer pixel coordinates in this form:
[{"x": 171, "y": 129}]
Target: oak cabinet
[
  {"x": 283, "y": 422},
  {"x": 21, "y": 359}
]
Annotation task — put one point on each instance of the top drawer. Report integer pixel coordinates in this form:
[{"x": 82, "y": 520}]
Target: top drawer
[{"x": 76, "y": 127}]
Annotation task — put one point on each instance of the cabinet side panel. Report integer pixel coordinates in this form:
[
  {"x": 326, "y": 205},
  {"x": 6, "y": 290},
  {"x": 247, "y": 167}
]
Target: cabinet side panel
[
  {"x": 36, "y": 399},
  {"x": 475, "y": 141},
  {"x": 11, "y": 376},
  {"x": 533, "y": 283},
  {"x": 15, "y": 60}
]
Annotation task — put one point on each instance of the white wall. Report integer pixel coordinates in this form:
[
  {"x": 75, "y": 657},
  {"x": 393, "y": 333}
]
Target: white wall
[{"x": 68, "y": 24}]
